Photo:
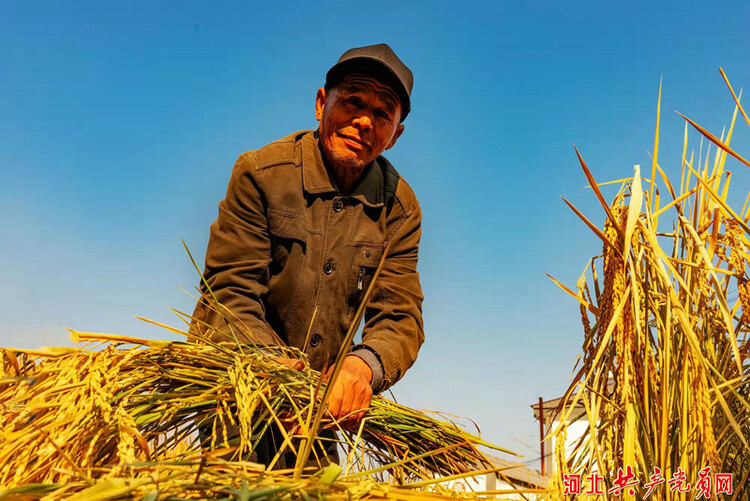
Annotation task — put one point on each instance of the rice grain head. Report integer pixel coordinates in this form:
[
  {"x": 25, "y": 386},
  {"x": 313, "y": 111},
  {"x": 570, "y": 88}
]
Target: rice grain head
[
  {"x": 702, "y": 406},
  {"x": 738, "y": 256},
  {"x": 240, "y": 376},
  {"x": 582, "y": 289},
  {"x": 126, "y": 431}
]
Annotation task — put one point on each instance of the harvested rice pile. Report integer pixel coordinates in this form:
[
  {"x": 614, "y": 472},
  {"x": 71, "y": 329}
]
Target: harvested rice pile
[
  {"x": 123, "y": 422},
  {"x": 665, "y": 375}
]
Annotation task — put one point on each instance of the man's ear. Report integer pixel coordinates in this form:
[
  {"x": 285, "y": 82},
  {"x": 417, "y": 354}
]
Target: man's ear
[
  {"x": 320, "y": 101},
  {"x": 399, "y": 131}
]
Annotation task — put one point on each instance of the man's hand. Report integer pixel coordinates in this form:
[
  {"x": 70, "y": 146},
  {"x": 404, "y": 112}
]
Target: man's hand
[
  {"x": 292, "y": 363},
  {"x": 351, "y": 391}
]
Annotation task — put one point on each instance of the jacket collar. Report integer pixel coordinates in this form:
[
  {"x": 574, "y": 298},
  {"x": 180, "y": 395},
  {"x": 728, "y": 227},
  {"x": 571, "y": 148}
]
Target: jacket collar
[{"x": 317, "y": 179}]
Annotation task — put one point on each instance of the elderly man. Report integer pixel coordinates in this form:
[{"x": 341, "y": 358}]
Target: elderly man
[{"x": 305, "y": 223}]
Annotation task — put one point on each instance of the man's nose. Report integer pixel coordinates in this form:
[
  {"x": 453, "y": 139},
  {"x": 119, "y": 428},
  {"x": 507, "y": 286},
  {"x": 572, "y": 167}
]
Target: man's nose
[{"x": 363, "y": 121}]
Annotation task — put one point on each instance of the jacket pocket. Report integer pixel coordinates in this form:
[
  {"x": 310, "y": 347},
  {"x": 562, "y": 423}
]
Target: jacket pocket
[
  {"x": 287, "y": 225},
  {"x": 289, "y": 235}
]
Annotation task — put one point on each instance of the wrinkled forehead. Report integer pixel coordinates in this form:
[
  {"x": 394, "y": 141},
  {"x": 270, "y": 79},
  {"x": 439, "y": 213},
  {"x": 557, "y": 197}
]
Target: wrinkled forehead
[{"x": 365, "y": 83}]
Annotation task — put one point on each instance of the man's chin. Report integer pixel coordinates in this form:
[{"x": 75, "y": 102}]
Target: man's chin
[{"x": 348, "y": 161}]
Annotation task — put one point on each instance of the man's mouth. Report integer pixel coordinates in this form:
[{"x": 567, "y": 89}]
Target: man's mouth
[{"x": 353, "y": 141}]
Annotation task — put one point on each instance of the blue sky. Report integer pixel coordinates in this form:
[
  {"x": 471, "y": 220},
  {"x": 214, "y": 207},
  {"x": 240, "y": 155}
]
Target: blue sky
[{"x": 121, "y": 125}]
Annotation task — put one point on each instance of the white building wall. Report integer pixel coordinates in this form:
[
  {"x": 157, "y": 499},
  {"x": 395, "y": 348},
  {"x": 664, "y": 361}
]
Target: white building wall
[
  {"x": 574, "y": 432},
  {"x": 487, "y": 482}
]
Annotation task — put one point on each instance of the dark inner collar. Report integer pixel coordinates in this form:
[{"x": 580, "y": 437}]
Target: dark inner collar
[{"x": 369, "y": 186}]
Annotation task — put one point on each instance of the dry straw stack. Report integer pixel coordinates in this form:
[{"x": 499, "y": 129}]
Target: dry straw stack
[
  {"x": 108, "y": 421},
  {"x": 665, "y": 378}
]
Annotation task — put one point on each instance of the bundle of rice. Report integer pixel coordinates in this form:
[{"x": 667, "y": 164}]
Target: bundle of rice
[
  {"x": 116, "y": 422},
  {"x": 665, "y": 378}
]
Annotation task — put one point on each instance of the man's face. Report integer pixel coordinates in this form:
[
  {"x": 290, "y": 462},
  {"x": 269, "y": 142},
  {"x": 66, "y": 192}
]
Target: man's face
[{"x": 359, "y": 119}]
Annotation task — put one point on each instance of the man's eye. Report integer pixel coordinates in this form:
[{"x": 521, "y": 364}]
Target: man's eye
[
  {"x": 383, "y": 114},
  {"x": 354, "y": 101}
]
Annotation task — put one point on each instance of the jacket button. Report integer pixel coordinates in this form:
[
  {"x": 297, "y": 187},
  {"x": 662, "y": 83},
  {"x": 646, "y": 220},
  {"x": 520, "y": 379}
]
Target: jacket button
[
  {"x": 338, "y": 205},
  {"x": 315, "y": 340},
  {"x": 328, "y": 268}
]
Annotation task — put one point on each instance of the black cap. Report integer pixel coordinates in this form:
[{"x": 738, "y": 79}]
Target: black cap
[{"x": 380, "y": 61}]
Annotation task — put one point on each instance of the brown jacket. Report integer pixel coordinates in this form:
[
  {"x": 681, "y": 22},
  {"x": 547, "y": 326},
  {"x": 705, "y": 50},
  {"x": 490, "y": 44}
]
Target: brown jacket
[{"x": 286, "y": 241}]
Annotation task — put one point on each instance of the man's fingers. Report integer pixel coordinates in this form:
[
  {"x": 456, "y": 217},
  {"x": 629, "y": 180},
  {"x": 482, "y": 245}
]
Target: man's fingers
[
  {"x": 347, "y": 402},
  {"x": 365, "y": 406},
  {"x": 357, "y": 402},
  {"x": 362, "y": 403},
  {"x": 293, "y": 363},
  {"x": 335, "y": 400},
  {"x": 341, "y": 402}
]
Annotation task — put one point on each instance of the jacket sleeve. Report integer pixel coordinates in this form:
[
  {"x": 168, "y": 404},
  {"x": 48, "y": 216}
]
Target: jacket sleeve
[
  {"x": 394, "y": 330},
  {"x": 237, "y": 261}
]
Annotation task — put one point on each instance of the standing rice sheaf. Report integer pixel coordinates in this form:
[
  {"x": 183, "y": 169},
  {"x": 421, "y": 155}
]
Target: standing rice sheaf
[{"x": 666, "y": 372}]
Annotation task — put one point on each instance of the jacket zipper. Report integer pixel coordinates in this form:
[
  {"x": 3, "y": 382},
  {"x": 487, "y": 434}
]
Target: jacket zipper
[{"x": 361, "y": 278}]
